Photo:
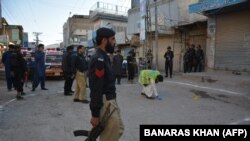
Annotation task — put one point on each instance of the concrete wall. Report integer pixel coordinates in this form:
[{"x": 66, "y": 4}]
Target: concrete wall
[
  {"x": 210, "y": 43},
  {"x": 133, "y": 21},
  {"x": 171, "y": 13},
  {"x": 184, "y": 16},
  {"x": 163, "y": 43}
]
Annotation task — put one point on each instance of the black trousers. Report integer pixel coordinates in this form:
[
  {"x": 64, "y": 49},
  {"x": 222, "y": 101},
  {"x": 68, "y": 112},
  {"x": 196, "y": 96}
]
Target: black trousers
[
  {"x": 169, "y": 66},
  {"x": 186, "y": 67},
  {"x": 10, "y": 82},
  {"x": 68, "y": 83},
  {"x": 38, "y": 80},
  {"x": 118, "y": 79},
  {"x": 19, "y": 80},
  {"x": 131, "y": 73}
]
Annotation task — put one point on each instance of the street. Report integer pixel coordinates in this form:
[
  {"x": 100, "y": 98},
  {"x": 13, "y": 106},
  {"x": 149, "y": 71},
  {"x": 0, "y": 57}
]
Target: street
[
  {"x": 51, "y": 116},
  {"x": 199, "y": 48}
]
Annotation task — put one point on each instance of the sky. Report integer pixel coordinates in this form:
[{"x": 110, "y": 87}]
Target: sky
[{"x": 48, "y": 16}]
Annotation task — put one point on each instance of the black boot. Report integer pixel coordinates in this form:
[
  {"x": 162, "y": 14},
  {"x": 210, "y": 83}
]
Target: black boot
[{"x": 18, "y": 96}]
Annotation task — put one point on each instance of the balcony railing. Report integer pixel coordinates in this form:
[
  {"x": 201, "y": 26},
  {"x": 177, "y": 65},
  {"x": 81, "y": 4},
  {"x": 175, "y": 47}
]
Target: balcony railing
[{"x": 109, "y": 9}]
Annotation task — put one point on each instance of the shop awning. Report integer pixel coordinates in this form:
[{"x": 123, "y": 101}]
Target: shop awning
[{"x": 207, "y": 5}]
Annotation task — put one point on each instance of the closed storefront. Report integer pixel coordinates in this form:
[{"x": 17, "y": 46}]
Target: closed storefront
[{"x": 232, "y": 43}]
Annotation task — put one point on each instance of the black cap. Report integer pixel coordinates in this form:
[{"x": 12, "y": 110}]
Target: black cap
[
  {"x": 69, "y": 48},
  {"x": 11, "y": 46},
  {"x": 169, "y": 47},
  {"x": 105, "y": 32},
  {"x": 41, "y": 45}
]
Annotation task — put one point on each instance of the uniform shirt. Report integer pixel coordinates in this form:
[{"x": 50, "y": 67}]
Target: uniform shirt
[
  {"x": 199, "y": 54},
  {"x": 169, "y": 55},
  {"x": 40, "y": 63},
  {"x": 148, "y": 76},
  {"x": 101, "y": 81},
  {"x": 80, "y": 63},
  {"x": 17, "y": 62},
  {"x": 6, "y": 61},
  {"x": 117, "y": 64},
  {"x": 67, "y": 62}
]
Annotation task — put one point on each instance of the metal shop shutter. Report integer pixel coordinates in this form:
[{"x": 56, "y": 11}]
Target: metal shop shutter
[{"x": 232, "y": 51}]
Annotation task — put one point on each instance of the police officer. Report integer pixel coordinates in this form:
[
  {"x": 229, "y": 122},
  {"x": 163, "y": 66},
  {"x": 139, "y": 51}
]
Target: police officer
[
  {"x": 169, "y": 55},
  {"x": 199, "y": 59},
  {"x": 18, "y": 69},
  {"x": 67, "y": 66},
  {"x": 117, "y": 66},
  {"x": 39, "y": 74},
  {"x": 131, "y": 67},
  {"x": 80, "y": 67},
  {"x": 149, "y": 57},
  {"x": 6, "y": 62},
  {"x": 186, "y": 61},
  {"x": 102, "y": 87},
  {"x": 192, "y": 60}
]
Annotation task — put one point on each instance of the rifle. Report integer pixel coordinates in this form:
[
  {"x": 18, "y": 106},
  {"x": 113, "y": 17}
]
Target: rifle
[{"x": 96, "y": 131}]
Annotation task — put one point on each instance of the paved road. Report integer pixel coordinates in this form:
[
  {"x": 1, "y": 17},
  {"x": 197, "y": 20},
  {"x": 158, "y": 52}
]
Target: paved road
[{"x": 50, "y": 116}]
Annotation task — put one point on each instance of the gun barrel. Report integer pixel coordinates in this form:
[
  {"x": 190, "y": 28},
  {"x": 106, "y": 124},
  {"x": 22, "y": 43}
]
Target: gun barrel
[{"x": 81, "y": 133}]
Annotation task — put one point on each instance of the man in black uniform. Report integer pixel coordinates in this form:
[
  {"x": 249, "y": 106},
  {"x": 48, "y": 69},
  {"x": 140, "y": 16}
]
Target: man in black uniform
[
  {"x": 18, "y": 69},
  {"x": 186, "y": 61},
  {"x": 102, "y": 87},
  {"x": 199, "y": 59},
  {"x": 169, "y": 55},
  {"x": 80, "y": 67},
  {"x": 67, "y": 66},
  {"x": 192, "y": 60},
  {"x": 131, "y": 67},
  {"x": 117, "y": 66}
]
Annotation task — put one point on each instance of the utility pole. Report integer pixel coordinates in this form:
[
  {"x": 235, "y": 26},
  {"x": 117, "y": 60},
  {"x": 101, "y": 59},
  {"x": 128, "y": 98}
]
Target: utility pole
[
  {"x": 148, "y": 36},
  {"x": 69, "y": 26},
  {"x": 156, "y": 36},
  {"x": 36, "y": 34},
  {"x": 4, "y": 33}
]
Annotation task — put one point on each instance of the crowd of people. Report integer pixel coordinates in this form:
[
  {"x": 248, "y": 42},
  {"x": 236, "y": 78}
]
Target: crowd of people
[
  {"x": 17, "y": 68},
  {"x": 193, "y": 59},
  {"x": 102, "y": 74}
]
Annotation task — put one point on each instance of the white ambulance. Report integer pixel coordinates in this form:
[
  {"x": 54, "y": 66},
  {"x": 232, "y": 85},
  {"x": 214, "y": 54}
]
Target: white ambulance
[{"x": 53, "y": 63}]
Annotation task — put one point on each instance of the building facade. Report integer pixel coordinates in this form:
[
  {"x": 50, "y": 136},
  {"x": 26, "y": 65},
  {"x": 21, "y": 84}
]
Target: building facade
[
  {"x": 175, "y": 26},
  {"x": 81, "y": 29},
  {"x": 76, "y": 29},
  {"x": 111, "y": 16},
  {"x": 11, "y": 33}
]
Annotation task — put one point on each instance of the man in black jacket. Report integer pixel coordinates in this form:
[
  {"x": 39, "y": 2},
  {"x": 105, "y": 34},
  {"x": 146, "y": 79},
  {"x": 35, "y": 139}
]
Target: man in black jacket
[
  {"x": 80, "y": 67},
  {"x": 131, "y": 67},
  {"x": 199, "y": 59},
  {"x": 169, "y": 55},
  {"x": 102, "y": 87},
  {"x": 117, "y": 66},
  {"x": 67, "y": 63},
  {"x": 18, "y": 69}
]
